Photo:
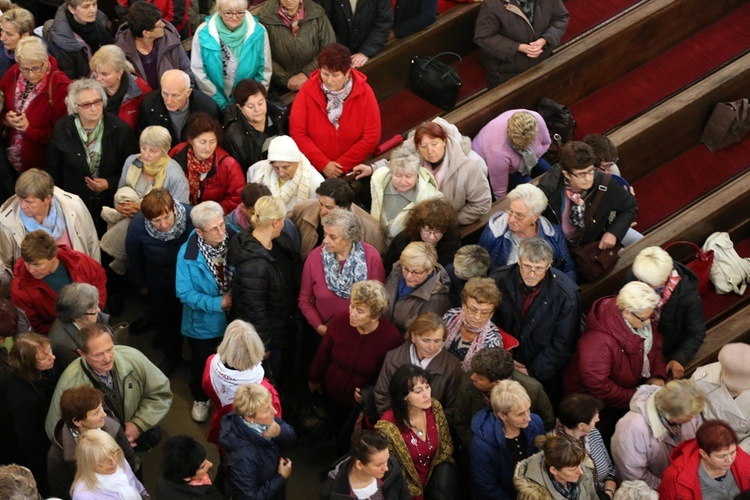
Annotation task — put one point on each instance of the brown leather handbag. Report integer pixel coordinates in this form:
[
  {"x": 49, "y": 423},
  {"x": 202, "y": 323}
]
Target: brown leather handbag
[{"x": 729, "y": 124}]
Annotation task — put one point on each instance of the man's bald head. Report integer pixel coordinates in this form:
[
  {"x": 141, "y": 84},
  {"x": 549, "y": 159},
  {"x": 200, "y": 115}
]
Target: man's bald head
[{"x": 175, "y": 89}]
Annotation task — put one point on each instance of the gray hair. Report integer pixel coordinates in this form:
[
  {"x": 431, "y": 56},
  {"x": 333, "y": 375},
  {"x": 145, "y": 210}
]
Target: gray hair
[
  {"x": 230, "y": 4},
  {"x": 17, "y": 483},
  {"x": 531, "y": 196},
  {"x": 31, "y": 50},
  {"x": 680, "y": 399},
  {"x": 113, "y": 55},
  {"x": 404, "y": 159},
  {"x": 175, "y": 73},
  {"x": 157, "y": 137},
  {"x": 471, "y": 261},
  {"x": 204, "y": 212},
  {"x": 241, "y": 347},
  {"x": 637, "y": 297},
  {"x": 635, "y": 490},
  {"x": 347, "y": 221},
  {"x": 75, "y": 300},
  {"x": 535, "y": 250},
  {"x": 78, "y": 86}
]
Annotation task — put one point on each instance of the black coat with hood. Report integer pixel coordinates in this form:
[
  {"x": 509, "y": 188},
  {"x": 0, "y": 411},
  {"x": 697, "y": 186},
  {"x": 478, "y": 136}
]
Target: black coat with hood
[
  {"x": 243, "y": 142},
  {"x": 337, "y": 487}
]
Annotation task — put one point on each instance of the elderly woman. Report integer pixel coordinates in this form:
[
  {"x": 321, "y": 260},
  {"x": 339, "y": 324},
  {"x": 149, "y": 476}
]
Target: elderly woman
[
  {"x": 237, "y": 362},
  {"x": 327, "y": 120},
  {"x": 432, "y": 221},
  {"x": 34, "y": 91},
  {"x": 460, "y": 173},
  {"x": 266, "y": 277},
  {"x": 679, "y": 313},
  {"x": 418, "y": 435},
  {"x": 332, "y": 268},
  {"x": 287, "y": 172},
  {"x": 154, "y": 238},
  {"x": 151, "y": 44},
  {"x": 659, "y": 419},
  {"x": 397, "y": 189},
  {"x": 504, "y": 435},
  {"x": 560, "y": 470},
  {"x": 125, "y": 90},
  {"x": 417, "y": 284},
  {"x": 81, "y": 410},
  {"x": 635, "y": 490},
  {"x": 423, "y": 347},
  {"x": 515, "y": 39},
  {"x": 102, "y": 472},
  {"x": 577, "y": 416},
  {"x": 74, "y": 156},
  {"x": 469, "y": 327},
  {"x": 523, "y": 219},
  {"x": 513, "y": 145},
  {"x": 298, "y": 30},
  {"x": 253, "y": 437},
  {"x": 470, "y": 261},
  {"x": 30, "y": 386},
  {"x": 77, "y": 306},
  {"x": 203, "y": 285},
  {"x": 15, "y": 24},
  {"x": 185, "y": 471},
  {"x": 229, "y": 47},
  {"x": 619, "y": 350},
  {"x": 251, "y": 124},
  {"x": 713, "y": 454},
  {"x": 212, "y": 174}
]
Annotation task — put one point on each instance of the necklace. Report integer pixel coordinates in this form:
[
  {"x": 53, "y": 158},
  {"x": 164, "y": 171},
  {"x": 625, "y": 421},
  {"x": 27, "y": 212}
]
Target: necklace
[{"x": 417, "y": 428}]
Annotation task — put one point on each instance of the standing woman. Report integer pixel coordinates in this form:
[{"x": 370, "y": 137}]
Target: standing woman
[
  {"x": 229, "y": 47},
  {"x": 30, "y": 387},
  {"x": 76, "y": 158},
  {"x": 266, "y": 282},
  {"x": 212, "y": 174},
  {"x": 34, "y": 91},
  {"x": 15, "y": 24},
  {"x": 418, "y": 435},
  {"x": 125, "y": 90}
]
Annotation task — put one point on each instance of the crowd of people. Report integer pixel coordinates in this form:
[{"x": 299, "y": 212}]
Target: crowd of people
[{"x": 262, "y": 237}]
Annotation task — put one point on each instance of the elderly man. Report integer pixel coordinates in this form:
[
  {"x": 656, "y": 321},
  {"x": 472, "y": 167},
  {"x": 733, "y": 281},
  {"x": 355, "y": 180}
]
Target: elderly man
[
  {"x": 541, "y": 308},
  {"x": 135, "y": 390},
  {"x": 727, "y": 386},
  {"x": 38, "y": 204},
  {"x": 171, "y": 106},
  {"x": 333, "y": 193}
]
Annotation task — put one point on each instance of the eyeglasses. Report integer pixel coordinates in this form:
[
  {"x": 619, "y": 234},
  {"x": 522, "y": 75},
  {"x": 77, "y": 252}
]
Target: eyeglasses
[
  {"x": 413, "y": 272},
  {"x": 90, "y": 105},
  {"x": 216, "y": 229},
  {"x": 580, "y": 175},
  {"x": 35, "y": 69},
  {"x": 426, "y": 231},
  {"x": 515, "y": 215},
  {"x": 534, "y": 269},
  {"x": 486, "y": 313},
  {"x": 642, "y": 320},
  {"x": 235, "y": 14},
  {"x": 96, "y": 312}
]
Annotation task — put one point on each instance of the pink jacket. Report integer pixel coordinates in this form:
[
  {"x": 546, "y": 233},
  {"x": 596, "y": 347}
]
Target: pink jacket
[{"x": 316, "y": 301}]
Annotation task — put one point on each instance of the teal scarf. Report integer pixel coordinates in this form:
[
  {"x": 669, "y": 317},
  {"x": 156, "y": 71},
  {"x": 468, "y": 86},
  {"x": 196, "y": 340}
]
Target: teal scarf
[{"x": 232, "y": 39}]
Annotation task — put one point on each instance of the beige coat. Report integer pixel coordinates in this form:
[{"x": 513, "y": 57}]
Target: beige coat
[
  {"x": 533, "y": 483},
  {"x": 306, "y": 216},
  {"x": 431, "y": 296}
]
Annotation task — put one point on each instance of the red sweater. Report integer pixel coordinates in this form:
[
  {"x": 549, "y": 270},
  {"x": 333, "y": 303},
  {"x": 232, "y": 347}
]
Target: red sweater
[
  {"x": 346, "y": 359},
  {"x": 316, "y": 301},
  {"x": 129, "y": 109},
  {"x": 38, "y": 300},
  {"x": 359, "y": 126}
]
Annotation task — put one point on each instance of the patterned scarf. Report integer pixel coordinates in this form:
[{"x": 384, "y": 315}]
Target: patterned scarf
[
  {"x": 180, "y": 221},
  {"x": 570, "y": 492},
  {"x": 54, "y": 224},
  {"x": 646, "y": 334},
  {"x": 292, "y": 21},
  {"x": 577, "y": 206},
  {"x": 257, "y": 428},
  {"x": 340, "y": 279},
  {"x": 488, "y": 335},
  {"x": 528, "y": 7},
  {"x": 216, "y": 259},
  {"x": 298, "y": 186},
  {"x": 92, "y": 142},
  {"x": 196, "y": 168},
  {"x": 673, "y": 430},
  {"x": 666, "y": 293},
  {"x": 335, "y": 101},
  {"x": 24, "y": 93}
]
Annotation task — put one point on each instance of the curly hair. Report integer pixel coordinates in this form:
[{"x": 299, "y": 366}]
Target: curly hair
[
  {"x": 435, "y": 213},
  {"x": 522, "y": 129}
]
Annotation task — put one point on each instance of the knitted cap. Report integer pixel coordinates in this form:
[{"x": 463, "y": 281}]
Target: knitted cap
[
  {"x": 735, "y": 366},
  {"x": 283, "y": 148}
]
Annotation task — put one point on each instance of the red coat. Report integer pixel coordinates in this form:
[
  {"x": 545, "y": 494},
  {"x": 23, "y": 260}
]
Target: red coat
[
  {"x": 220, "y": 411},
  {"x": 129, "y": 109},
  {"x": 41, "y": 115},
  {"x": 224, "y": 181},
  {"x": 608, "y": 361},
  {"x": 38, "y": 300},
  {"x": 359, "y": 127},
  {"x": 680, "y": 480}
]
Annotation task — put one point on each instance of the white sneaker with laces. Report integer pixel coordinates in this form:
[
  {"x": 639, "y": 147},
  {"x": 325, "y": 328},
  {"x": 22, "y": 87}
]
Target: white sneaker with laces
[{"x": 199, "y": 413}]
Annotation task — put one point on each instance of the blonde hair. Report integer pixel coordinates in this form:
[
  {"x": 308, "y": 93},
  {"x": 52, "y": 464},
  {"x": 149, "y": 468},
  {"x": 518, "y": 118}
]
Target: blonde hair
[
  {"x": 506, "y": 395},
  {"x": 522, "y": 128},
  {"x": 94, "y": 447},
  {"x": 20, "y": 18},
  {"x": 637, "y": 297},
  {"x": 31, "y": 50},
  {"x": 241, "y": 347},
  {"x": 483, "y": 290},
  {"x": 419, "y": 253},
  {"x": 111, "y": 55},
  {"x": 471, "y": 261},
  {"x": 156, "y": 136},
  {"x": 267, "y": 209},
  {"x": 371, "y": 294},
  {"x": 250, "y": 398},
  {"x": 653, "y": 266},
  {"x": 680, "y": 398},
  {"x": 230, "y": 4}
]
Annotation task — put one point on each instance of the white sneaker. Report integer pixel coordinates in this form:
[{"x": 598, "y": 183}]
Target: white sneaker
[{"x": 200, "y": 410}]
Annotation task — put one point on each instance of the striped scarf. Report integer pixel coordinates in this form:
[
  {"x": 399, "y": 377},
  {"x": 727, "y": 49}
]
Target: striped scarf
[{"x": 216, "y": 259}]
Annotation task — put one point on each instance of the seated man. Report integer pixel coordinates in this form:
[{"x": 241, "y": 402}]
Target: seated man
[
  {"x": 77, "y": 32},
  {"x": 135, "y": 390},
  {"x": 540, "y": 308},
  {"x": 490, "y": 366},
  {"x": 43, "y": 270},
  {"x": 38, "y": 204},
  {"x": 171, "y": 106}
]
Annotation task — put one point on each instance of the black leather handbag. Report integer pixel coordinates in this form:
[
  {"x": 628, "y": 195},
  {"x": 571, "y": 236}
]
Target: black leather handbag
[{"x": 435, "y": 82}]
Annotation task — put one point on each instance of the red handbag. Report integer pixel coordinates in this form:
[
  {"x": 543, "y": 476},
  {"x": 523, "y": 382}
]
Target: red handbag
[{"x": 700, "y": 265}]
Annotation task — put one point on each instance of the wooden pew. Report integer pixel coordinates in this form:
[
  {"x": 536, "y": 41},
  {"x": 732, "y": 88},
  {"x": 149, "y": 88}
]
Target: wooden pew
[{"x": 735, "y": 328}]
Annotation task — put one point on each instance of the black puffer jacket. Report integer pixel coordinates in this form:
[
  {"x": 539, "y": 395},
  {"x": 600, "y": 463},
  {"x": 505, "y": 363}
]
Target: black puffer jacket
[
  {"x": 243, "y": 142},
  {"x": 264, "y": 293},
  {"x": 364, "y": 31}
]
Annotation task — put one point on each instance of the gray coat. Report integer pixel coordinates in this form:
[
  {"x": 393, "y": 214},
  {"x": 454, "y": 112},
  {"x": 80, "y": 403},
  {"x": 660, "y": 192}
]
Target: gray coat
[{"x": 431, "y": 296}]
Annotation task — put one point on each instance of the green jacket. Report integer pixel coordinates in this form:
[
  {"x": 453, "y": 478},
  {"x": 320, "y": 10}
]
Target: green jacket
[
  {"x": 147, "y": 395},
  {"x": 295, "y": 54}
]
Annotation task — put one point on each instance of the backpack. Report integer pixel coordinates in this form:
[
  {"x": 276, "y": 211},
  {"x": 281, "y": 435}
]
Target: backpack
[{"x": 729, "y": 272}]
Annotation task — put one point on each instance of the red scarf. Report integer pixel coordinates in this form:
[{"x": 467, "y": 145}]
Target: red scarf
[{"x": 195, "y": 170}]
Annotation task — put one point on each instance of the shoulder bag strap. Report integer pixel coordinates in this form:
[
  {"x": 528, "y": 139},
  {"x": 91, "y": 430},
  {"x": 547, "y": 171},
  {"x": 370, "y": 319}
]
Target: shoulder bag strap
[{"x": 598, "y": 197}]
